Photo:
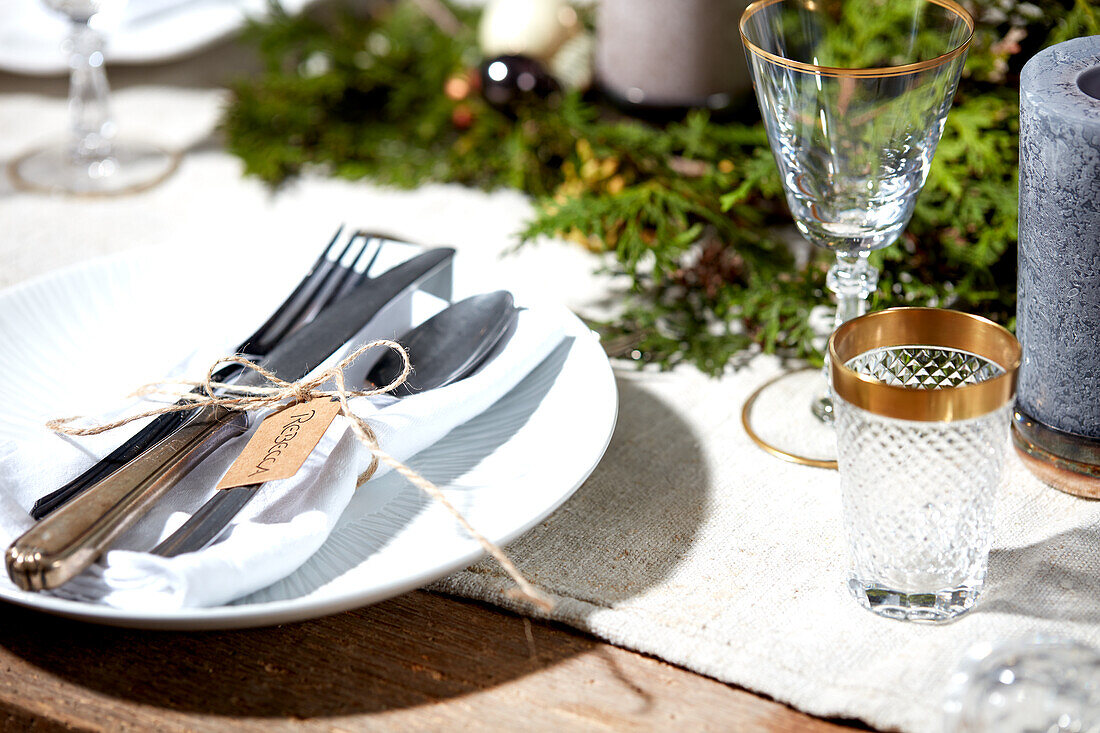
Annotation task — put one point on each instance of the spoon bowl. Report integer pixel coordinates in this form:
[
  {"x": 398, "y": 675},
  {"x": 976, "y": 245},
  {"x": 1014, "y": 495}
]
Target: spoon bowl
[{"x": 450, "y": 345}]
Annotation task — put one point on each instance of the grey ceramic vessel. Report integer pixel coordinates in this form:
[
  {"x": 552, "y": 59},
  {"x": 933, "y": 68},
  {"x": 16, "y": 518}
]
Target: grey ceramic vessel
[{"x": 672, "y": 53}]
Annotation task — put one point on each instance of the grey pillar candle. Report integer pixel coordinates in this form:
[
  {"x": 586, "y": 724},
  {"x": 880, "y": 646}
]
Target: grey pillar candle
[
  {"x": 671, "y": 53},
  {"x": 1058, "y": 291}
]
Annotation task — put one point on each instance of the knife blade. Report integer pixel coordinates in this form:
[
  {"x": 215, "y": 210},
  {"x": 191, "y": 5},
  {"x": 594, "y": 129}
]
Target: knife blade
[{"x": 66, "y": 542}]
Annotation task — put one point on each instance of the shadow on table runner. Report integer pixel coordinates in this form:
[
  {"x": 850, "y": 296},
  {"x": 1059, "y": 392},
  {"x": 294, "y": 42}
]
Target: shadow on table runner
[
  {"x": 635, "y": 533},
  {"x": 1041, "y": 580},
  {"x": 624, "y": 537}
]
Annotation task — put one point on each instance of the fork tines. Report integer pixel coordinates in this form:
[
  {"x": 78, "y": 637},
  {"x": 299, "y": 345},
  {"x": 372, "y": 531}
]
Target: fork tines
[{"x": 341, "y": 267}]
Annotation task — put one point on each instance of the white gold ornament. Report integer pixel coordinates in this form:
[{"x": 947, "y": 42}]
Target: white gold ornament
[
  {"x": 573, "y": 64},
  {"x": 535, "y": 28}
]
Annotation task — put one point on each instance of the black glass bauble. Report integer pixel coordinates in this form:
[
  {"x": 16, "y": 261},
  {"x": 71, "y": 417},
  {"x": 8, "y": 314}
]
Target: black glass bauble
[{"x": 511, "y": 79}]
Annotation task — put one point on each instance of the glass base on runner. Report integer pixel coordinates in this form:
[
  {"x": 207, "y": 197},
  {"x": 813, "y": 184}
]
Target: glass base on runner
[
  {"x": 934, "y": 606},
  {"x": 130, "y": 168},
  {"x": 778, "y": 418}
]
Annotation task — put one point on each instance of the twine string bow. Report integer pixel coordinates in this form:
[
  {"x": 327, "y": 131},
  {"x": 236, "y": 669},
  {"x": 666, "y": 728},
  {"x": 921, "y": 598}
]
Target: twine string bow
[{"x": 279, "y": 392}]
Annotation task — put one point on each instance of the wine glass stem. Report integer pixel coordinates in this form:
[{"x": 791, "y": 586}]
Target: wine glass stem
[
  {"x": 853, "y": 280},
  {"x": 90, "y": 116}
]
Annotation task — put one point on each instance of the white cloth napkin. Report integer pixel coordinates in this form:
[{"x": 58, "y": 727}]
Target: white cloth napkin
[{"x": 288, "y": 520}]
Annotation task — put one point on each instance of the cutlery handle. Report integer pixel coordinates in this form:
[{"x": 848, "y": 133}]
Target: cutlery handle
[
  {"x": 208, "y": 523},
  {"x": 161, "y": 427},
  {"x": 62, "y": 545}
]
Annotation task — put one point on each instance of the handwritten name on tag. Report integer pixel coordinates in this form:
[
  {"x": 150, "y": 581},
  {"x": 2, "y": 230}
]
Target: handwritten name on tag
[{"x": 282, "y": 443}]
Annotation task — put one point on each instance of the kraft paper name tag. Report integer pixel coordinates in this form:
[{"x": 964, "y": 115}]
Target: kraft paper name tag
[{"x": 282, "y": 443}]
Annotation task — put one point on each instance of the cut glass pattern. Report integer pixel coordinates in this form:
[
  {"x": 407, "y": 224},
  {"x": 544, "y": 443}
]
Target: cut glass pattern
[
  {"x": 924, "y": 367},
  {"x": 918, "y": 497}
]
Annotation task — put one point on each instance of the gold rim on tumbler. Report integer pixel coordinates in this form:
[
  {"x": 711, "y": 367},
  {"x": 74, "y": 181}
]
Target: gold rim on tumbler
[
  {"x": 883, "y": 71},
  {"x": 927, "y": 327}
]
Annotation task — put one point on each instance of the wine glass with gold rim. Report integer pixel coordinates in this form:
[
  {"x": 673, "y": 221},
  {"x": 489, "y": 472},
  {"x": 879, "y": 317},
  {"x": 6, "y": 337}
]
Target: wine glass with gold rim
[{"x": 854, "y": 95}]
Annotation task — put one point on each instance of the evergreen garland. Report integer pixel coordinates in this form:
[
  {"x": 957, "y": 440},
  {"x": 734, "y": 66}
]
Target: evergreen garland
[{"x": 689, "y": 210}]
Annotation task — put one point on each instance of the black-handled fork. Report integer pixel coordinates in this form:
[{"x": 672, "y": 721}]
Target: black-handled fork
[{"x": 341, "y": 267}]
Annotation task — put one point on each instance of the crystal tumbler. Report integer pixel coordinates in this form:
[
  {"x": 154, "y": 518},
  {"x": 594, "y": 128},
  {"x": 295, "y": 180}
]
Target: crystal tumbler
[{"x": 922, "y": 426}]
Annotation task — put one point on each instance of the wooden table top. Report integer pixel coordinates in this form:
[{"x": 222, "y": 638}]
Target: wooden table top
[{"x": 418, "y": 662}]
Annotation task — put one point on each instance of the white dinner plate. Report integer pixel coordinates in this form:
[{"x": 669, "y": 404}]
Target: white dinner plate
[
  {"x": 505, "y": 470},
  {"x": 141, "y": 32}
]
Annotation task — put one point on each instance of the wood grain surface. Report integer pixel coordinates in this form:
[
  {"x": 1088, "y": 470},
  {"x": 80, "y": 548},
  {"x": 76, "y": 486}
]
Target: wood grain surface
[{"x": 417, "y": 662}]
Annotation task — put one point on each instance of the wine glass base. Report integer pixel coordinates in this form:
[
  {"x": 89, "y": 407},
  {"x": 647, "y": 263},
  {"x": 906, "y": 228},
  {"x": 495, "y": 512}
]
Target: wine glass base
[
  {"x": 778, "y": 418},
  {"x": 131, "y": 167}
]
